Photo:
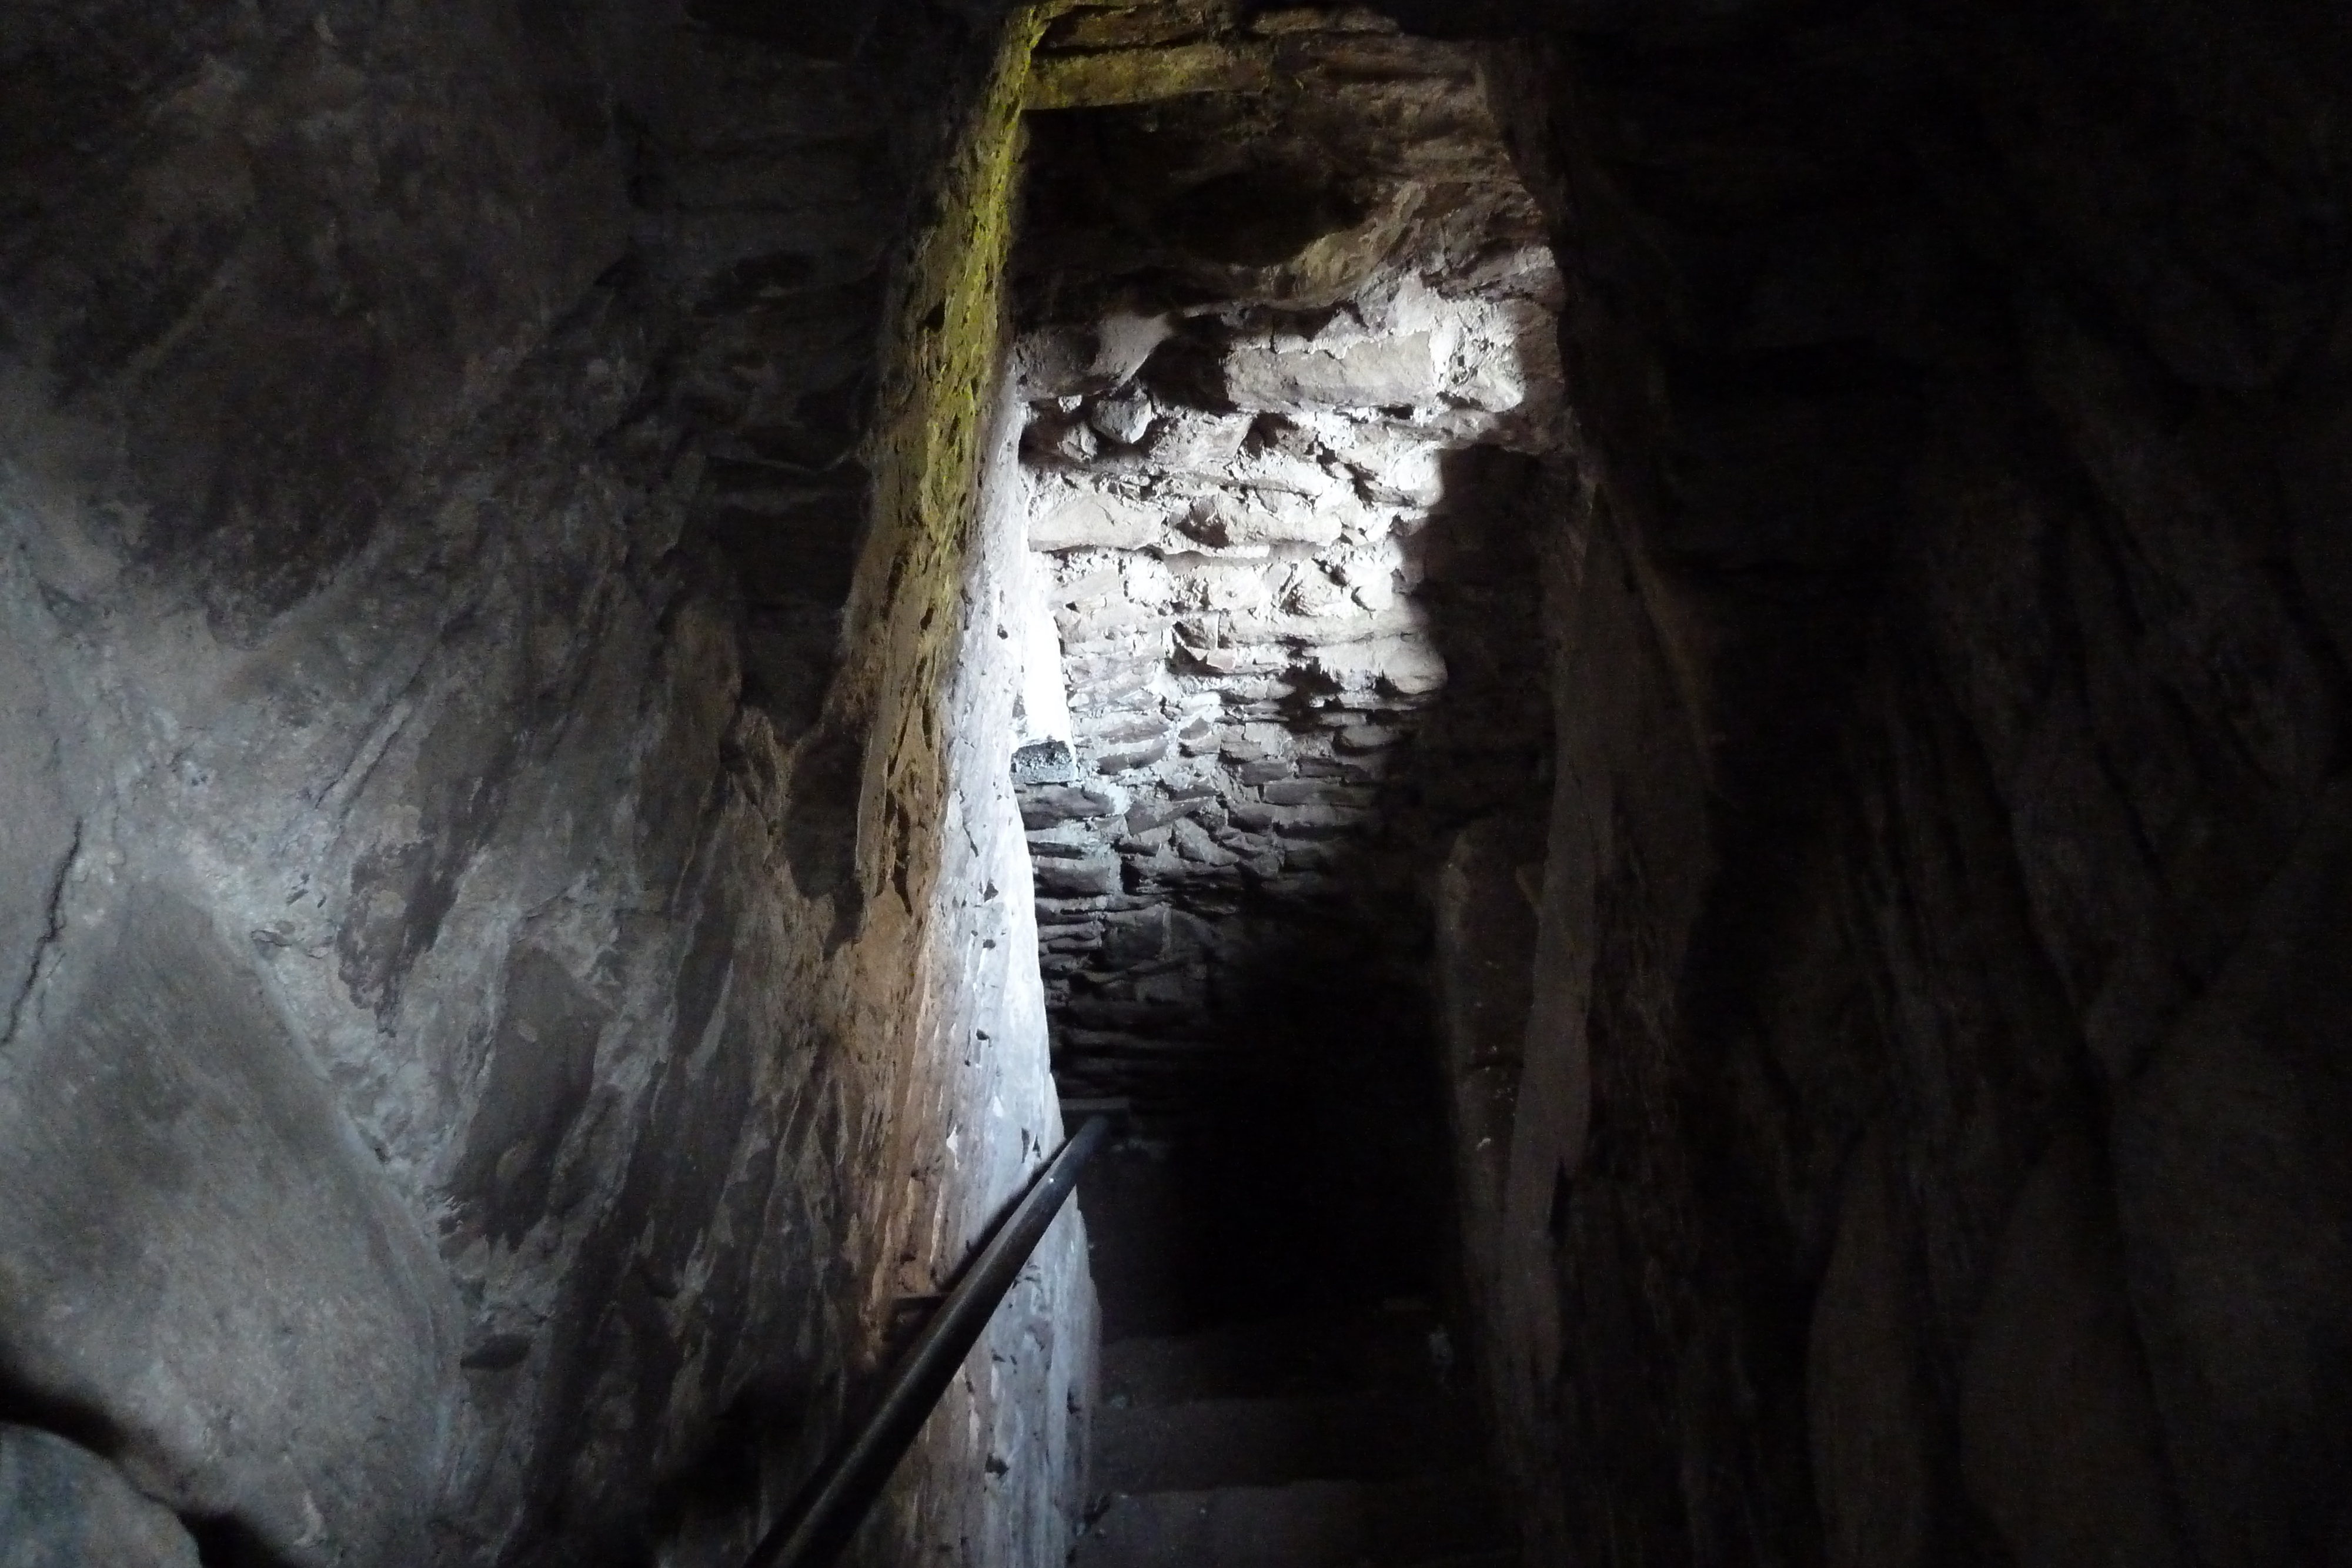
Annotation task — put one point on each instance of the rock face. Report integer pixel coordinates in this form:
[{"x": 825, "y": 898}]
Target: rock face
[
  {"x": 1293, "y": 376},
  {"x": 1919, "y": 1139},
  {"x": 61, "y": 1506},
  {"x": 510, "y": 981}
]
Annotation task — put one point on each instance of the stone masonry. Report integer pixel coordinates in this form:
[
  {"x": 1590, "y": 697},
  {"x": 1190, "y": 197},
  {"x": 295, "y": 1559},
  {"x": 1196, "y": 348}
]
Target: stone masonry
[{"x": 1292, "y": 374}]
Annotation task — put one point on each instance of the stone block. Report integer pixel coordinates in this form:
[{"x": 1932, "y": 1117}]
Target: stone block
[
  {"x": 1126, "y": 27},
  {"x": 1161, "y": 865},
  {"x": 1125, "y": 419},
  {"x": 1099, "y": 679},
  {"x": 1315, "y": 792},
  {"x": 1150, "y": 813},
  {"x": 1353, "y": 770},
  {"x": 1230, "y": 518},
  {"x": 1301, "y": 821},
  {"x": 1052, "y": 907},
  {"x": 1127, "y": 757},
  {"x": 1121, "y": 726},
  {"x": 1114, "y": 621},
  {"x": 1294, "y": 469},
  {"x": 1059, "y": 362},
  {"x": 1044, "y": 805},
  {"x": 1239, "y": 659},
  {"x": 1064, "y": 843},
  {"x": 1126, "y": 1014},
  {"x": 1110, "y": 77},
  {"x": 1293, "y": 21},
  {"x": 1093, "y": 875},
  {"x": 63, "y": 1507},
  {"x": 1072, "y": 518},
  {"x": 1045, "y": 762},
  {"x": 1396, "y": 467},
  {"x": 1404, "y": 666},
  {"x": 1150, "y": 843},
  {"x": 1330, "y": 627},
  {"x": 1195, "y": 442},
  {"x": 1194, "y": 843},
  {"x": 1371, "y": 372}
]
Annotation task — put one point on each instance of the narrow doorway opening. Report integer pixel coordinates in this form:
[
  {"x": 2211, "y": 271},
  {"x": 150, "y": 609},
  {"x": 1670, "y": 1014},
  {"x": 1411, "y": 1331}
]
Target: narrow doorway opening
[{"x": 1294, "y": 413}]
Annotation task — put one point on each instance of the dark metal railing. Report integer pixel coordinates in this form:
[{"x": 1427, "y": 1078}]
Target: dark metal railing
[{"x": 836, "y": 1501}]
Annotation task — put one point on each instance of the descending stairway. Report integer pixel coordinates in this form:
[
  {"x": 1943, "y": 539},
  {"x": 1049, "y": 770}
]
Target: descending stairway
[{"x": 1340, "y": 1436}]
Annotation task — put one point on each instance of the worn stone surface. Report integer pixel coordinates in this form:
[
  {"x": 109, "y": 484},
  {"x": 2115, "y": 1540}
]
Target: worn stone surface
[
  {"x": 188, "y": 1204},
  {"x": 2060, "y": 1439},
  {"x": 512, "y": 985},
  {"x": 1873, "y": 1468},
  {"x": 62, "y": 1506},
  {"x": 2233, "y": 1177}
]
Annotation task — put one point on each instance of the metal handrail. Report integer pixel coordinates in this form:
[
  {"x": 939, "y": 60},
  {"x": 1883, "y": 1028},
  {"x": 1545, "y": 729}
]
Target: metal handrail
[{"x": 844, "y": 1487}]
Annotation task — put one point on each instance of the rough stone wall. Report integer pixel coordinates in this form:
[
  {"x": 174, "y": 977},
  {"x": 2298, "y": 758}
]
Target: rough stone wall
[
  {"x": 504, "y": 991},
  {"x": 1292, "y": 371},
  {"x": 999, "y": 1477},
  {"x": 1924, "y": 1097}
]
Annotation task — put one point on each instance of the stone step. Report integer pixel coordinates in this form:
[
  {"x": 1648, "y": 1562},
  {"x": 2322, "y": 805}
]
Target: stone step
[
  {"x": 1307, "y": 1524},
  {"x": 1206, "y": 1443}
]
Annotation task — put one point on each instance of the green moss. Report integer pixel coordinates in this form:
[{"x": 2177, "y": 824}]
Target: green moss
[
  {"x": 1143, "y": 76},
  {"x": 941, "y": 365},
  {"x": 941, "y": 361}
]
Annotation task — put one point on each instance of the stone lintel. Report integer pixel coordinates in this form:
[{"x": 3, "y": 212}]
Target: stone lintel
[{"x": 1109, "y": 77}]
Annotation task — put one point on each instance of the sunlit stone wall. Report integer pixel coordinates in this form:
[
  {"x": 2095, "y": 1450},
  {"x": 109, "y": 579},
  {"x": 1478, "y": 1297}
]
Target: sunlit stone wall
[
  {"x": 516, "y": 963},
  {"x": 1292, "y": 374}
]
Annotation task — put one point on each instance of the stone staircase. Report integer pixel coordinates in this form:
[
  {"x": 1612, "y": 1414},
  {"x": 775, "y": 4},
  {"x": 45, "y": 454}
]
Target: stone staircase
[{"x": 1320, "y": 1441}]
